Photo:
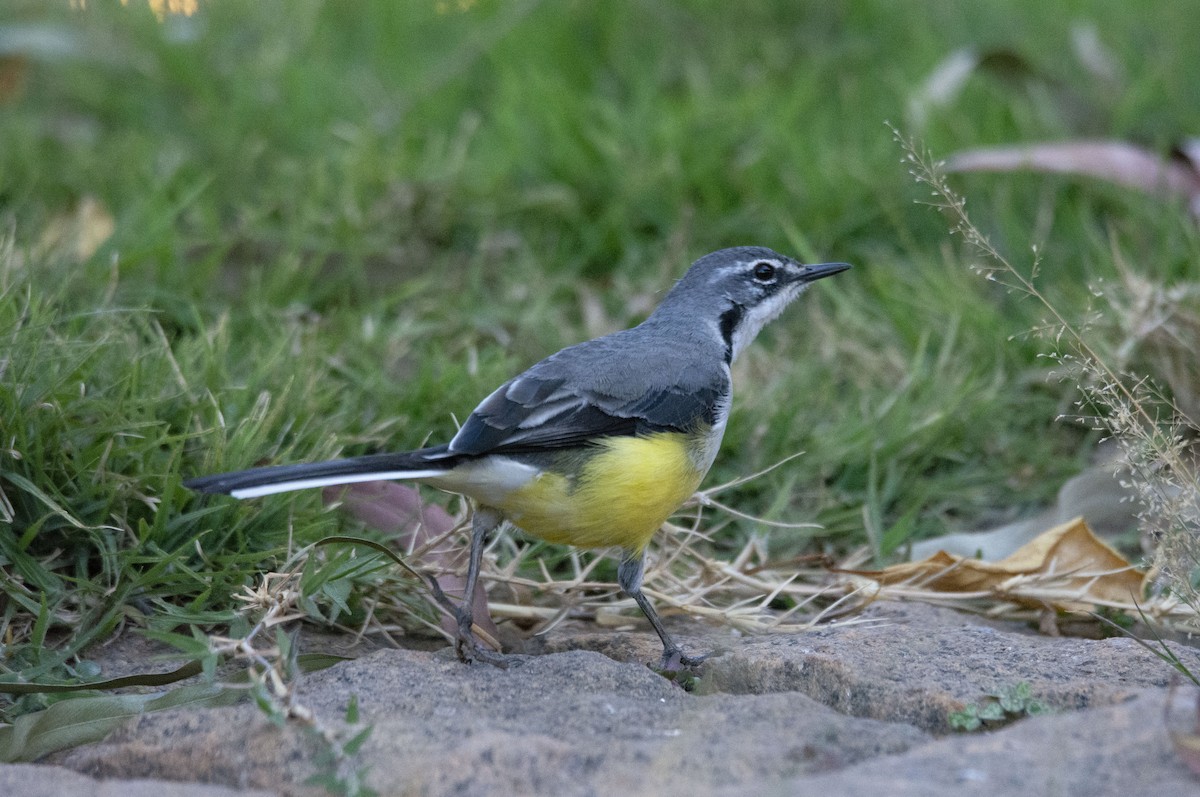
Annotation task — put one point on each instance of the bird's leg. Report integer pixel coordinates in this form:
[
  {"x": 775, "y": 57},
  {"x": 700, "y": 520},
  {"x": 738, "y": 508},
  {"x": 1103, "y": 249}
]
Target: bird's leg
[
  {"x": 483, "y": 523},
  {"x": 629, "y": 576}
]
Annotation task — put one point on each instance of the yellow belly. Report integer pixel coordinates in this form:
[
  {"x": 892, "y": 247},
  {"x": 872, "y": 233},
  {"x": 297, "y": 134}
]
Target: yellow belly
[{"x": 621, "y": 495}]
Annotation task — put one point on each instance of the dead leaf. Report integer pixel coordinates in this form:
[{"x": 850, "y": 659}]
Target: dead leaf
[
  {"x": 1100, "y": 495},
  {"x": 421, "y": 529},
  {"x": 161, "y": 8},
  {"x": 79, "y": 232},
  {"x": 1067, "y": 567},
  {"x": 13, "y": 69},
  {"x": 1115, "y": 161}
]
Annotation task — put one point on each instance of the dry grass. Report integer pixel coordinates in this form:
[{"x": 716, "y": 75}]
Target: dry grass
[{"x": 1154, "y": 430}]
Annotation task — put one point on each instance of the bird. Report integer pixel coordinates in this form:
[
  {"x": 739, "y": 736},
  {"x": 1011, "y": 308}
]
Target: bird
[{"x": 597, "y": 445}]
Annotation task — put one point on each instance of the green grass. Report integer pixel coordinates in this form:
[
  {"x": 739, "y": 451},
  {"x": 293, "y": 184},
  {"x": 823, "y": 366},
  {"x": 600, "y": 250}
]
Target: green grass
[{"x": 338, "y": 225}]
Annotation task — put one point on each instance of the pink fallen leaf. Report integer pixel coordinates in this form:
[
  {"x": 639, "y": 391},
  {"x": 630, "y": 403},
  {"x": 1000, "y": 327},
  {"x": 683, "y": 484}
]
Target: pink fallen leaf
[
  {"x": 421, "y": 529},
  {"x": 1115, "y": 161}
]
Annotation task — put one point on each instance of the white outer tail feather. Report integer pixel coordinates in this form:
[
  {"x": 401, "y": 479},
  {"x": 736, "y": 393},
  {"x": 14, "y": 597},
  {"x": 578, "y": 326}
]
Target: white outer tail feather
[{"x": 333, "y": 481}]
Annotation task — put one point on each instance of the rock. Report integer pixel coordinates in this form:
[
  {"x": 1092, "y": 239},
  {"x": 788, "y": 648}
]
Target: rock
[
  {"x": 571, "y": 723},
  {"x": 921, "y": 662},
  {"x": 31, "y": 780},
  {"x": 1121, "y": 749},
  {"x": 842, "y": 709},
  {"x": 914, "y": 663}
]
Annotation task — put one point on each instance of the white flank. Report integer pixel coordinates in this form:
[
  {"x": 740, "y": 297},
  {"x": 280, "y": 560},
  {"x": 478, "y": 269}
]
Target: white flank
[{"x": 489, "y": 480}]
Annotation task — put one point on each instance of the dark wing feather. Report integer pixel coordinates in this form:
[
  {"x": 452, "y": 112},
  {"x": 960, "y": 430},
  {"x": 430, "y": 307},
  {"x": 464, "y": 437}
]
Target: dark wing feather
[
  {"x": 675, "y": 407},
  {"x": 625, "y": 383},
  {"x": 563, "y": 418},
  {"x": 520, "y": 416}
]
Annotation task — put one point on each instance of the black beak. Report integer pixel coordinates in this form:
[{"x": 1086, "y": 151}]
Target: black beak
[{"x": 820, "y": 271}]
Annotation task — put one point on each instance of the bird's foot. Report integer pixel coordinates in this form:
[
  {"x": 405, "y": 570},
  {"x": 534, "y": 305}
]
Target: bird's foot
[
  {"x": 674, "y": 662},
  {"x": 469, "y": 649}
]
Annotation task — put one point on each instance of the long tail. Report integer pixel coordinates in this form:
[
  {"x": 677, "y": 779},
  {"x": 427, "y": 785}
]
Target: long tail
[{"x": 421, "y": 464}]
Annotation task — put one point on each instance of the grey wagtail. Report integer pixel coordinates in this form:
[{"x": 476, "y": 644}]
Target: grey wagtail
[{"x": 598, "y": 444}]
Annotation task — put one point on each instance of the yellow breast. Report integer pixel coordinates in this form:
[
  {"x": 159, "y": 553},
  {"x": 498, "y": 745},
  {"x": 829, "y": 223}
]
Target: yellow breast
[{"x": 620, "y": 496}]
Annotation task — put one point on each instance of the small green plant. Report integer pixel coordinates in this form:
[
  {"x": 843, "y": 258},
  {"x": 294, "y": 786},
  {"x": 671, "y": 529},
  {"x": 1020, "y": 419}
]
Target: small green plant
[
  {"x": 997, "y": 709},
  {"x": 333, "y": 761},
  {"x": 1159, "y": 647},
  {"x": 279, "y": 601}
]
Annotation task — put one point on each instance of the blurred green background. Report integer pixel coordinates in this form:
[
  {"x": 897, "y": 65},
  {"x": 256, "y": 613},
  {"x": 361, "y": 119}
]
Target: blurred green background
[{"x": 283, "y": 231}]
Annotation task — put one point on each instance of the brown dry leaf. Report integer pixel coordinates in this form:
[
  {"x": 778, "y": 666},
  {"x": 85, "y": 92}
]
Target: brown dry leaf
[
  {"x": 161, "y": 8},
  {"x": 1101, "y": 495},
  {"x": 23, "y": 46},
  {"x": 13, "y": 69},
  {"x": 1116, "y": 161},
  {"x": 79, "y": 232},
  {"x": 1067, "y": 567}
]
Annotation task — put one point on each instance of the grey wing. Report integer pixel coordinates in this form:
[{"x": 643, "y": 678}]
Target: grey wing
[{"x": 547, "y": 408}]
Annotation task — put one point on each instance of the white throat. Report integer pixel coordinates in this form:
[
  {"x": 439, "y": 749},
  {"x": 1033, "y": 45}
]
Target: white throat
[{"x": 760, "y": 315}]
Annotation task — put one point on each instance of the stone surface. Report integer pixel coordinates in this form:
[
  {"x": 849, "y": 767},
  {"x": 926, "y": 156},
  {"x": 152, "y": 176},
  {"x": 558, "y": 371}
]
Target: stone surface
[
  {"x": 856, "y": 708},
  {"x": 922, "y": 662},
  {"x": 913, "y": 663},
  {"x": 32, "y": 780},
  {"x": 1121, "y": 749},
  {"x": 571, "y": 723}
]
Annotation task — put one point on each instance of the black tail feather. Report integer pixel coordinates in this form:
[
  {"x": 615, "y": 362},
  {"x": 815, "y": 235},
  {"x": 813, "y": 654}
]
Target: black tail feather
[{"x": 227, "y": 483}]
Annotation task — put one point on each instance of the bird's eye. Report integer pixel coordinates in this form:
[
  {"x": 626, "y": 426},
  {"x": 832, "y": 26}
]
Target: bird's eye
[{"x": 764, "y": 271}]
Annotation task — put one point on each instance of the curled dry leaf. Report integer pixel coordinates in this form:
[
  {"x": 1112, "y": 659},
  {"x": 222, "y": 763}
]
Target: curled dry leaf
[
  {"x": 1115, "y": 161},
  {"x": 1066, "y": 567},
  {"x": 1100, "y": 495},
  {"x": 423, "y": 530},
  {"x": 79, "y": 232}
]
